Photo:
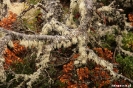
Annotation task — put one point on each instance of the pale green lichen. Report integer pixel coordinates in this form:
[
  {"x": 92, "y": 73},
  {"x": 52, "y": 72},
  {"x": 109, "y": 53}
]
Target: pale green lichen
[{"x": 77, "y": 36}]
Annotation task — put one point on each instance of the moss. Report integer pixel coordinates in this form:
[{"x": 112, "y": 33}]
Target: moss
[
  {"x": 128, "y": 41},
  {"x": 126, "y": 65},
  {"x": 27, "y": 67},
  {"x": 109, "y": 41}
]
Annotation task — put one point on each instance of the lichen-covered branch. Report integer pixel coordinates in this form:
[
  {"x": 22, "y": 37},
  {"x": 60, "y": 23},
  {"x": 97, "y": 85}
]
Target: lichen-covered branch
[
  {"x": 91, "y": 29},
  {"x": 31, "y": 37}
]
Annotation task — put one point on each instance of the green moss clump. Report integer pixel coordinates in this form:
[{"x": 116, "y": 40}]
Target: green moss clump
[
  {"x": 25, "y": 67},
  {"x": 109, "y": 41},
  {"x": 128, "y": 41},
  {"x": 126, "y": 65}
]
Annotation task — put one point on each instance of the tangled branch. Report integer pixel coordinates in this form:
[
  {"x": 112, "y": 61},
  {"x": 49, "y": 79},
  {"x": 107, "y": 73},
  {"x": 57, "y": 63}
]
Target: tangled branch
[{"x": 57, "y": 33}]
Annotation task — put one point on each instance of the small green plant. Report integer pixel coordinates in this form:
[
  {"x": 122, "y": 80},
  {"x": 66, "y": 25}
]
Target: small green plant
[
  {"x": 126, "y": 65},
  {"x": 128, "y": 41},
  {"x": 108, "y": 41}
]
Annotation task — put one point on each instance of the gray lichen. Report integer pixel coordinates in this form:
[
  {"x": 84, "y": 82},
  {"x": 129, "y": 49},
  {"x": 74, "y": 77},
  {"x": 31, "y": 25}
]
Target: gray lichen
[{"x": 67, "y": 34}]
